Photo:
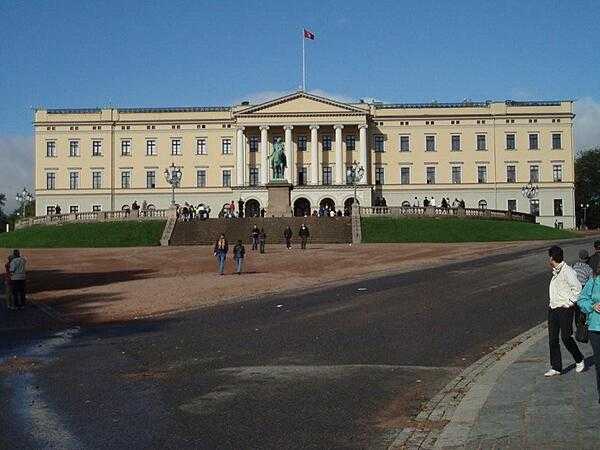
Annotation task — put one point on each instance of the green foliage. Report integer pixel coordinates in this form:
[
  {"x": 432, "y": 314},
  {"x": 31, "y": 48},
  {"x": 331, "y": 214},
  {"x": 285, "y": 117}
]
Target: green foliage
[
  {"x": 388, "y": 229},
  {"x": 101, "y": 234},
  {"x": 587, "y": 185}
]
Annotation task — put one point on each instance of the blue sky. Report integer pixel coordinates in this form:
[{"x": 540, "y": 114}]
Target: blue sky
[{"x": 171, "y": 53}]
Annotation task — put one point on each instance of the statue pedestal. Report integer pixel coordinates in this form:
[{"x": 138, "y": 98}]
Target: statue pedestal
[{"x": 279, "y": 203}]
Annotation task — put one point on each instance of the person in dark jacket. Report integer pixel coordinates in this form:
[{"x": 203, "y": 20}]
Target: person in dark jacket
[
  {"x": 238, "y": 255},
  {"x": 255, "y": 234},
  {"x": 304, "y": 235},
  {"x": 221, "y": 249},
  {"x": 287, "y": 234},
  {"x": 262, "y": 239},
  {"x": 595, "y": 258}
]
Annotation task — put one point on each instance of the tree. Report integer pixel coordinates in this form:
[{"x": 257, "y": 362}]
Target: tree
[{"x": 587, "y": 186}]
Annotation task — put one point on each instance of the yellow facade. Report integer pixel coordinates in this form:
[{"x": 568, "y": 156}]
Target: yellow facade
[{"x": 387, "y": 140}]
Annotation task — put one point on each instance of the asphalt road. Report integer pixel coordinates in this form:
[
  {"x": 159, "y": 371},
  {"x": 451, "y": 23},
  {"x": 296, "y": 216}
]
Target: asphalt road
[{"x": 343, "y": 367}]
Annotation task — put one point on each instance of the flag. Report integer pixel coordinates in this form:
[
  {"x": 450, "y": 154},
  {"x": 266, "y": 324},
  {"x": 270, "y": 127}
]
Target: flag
[{"x": 309, "y": 35}]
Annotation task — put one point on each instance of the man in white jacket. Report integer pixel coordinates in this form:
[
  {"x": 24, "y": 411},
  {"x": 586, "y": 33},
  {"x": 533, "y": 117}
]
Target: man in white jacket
[{"x": 564, "y": 291}]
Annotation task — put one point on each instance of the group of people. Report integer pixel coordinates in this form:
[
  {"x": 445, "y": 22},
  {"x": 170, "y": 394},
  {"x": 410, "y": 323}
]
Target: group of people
[
  {"x": 445, "y": 203},
  {"x": 189, "y": 212},
  {"x": 574, "y": 295},
  {"x": 14, "y": 280},
  {"x": 259, "y": 239}
]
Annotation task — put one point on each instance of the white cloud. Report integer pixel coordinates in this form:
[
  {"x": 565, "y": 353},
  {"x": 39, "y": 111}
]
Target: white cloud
[
  {"x": 264, "y": 96},
  {"x": 587, "y": 124},
  {"x": 16, "y": 167}
]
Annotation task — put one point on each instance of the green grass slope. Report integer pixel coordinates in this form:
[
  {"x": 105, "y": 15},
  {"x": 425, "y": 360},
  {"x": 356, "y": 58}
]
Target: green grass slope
[
  {"x": 101, "y": 234},
  {"x": 387, "y": 229}
]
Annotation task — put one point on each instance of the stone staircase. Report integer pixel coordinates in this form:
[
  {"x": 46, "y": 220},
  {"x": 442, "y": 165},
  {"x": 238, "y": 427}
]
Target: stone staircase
[{"x": 205, "y": 232}]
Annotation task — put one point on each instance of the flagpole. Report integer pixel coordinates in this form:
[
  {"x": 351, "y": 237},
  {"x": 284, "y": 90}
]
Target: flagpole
[{"x": 303, "y": 63}]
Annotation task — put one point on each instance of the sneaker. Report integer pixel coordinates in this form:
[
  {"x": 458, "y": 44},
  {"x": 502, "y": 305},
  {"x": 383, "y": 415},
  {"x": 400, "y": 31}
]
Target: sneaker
[
  {"x": 580, "y": 367},
  {"x": 551, "y": 373}
]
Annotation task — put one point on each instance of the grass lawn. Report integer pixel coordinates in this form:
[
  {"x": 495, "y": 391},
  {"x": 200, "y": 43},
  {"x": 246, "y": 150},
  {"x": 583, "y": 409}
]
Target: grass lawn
[
  {"x": 387, "y": 229},
  {"x": 101, "y": 234}
]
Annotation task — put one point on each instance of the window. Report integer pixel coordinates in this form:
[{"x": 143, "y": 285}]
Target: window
[
  {"x": 253, "y": 143},
  {"x": 96, "y": 180},
  {"x": 430, "y": 143},
  {"x": 327, "y": 175},
  {"x": 379, "y": 143},
  {"x": 558, "y": 207},
  {"x": 253, "y": 181},
  {"x": 404, "y": 143},
  {"x": 96, "y": 208},
  {"x": 50, "y": 180},
  {"x": 227, "y": 178},
  {"x": 557, "y": 173},
  {"x": 404, "y": 175},
  {"x": 511, "y": 174},
  {"x": 126, "y": 180},
  {"x": 73, "y": 180},
  {"x": 430, "y": 175},
  {"x": 201, "y": 146},
  {"x": 151, "y": 147},
  {"x": 151, "y": 179},
  {"x": 455, "y": 143},
  {"x": 456, "y": 174},
  {"x": 534, "y": 174},
  {"x": 126, "y": 148},
  {"x": 73, "y": 209},
  {"x": 534, "y": 207},
  {"x": 379, "y": 175},
  {"x": 533, "y": 141},
  {"x": 510, "y": 142},
  {"x": 176, "y": 147},
  {"x": 50, "y": 149},
  {"x": 96, "y": 148},
  {"x": 201, "y": 178},
  {"x": 482, "y": 204},
  {"x": 350, "y": 143},
  {"x": 50, "y": 210},
  {"x": 512, "y": 205},
  {"x": 226, "y": 146},
  {"x": 481, "y": 174},
  {"x": 556, "y": 141},
  {"x": 302, "y": 143},
  {"x": 73, "y": 148},
  {"x": 302, "y": 176},
  {"x": 326, "y": 143},
  {"x": 481, "y": 142}
]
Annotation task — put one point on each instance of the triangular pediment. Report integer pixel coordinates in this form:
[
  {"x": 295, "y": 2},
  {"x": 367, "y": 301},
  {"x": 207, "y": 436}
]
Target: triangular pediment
[{"x": 301, "y": 102}]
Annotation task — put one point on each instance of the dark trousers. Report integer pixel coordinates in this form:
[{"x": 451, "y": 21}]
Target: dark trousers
[
  {"x": 262, "y": 246},
  {"x": 288, "y": 242},
  {"x": 561, "y": 320},
  {"x": 254, "y": 242},
  {"x": 303, "y": 242},
  {"x": 18, "y": 292},
  {"x": 595, "y": 341}
]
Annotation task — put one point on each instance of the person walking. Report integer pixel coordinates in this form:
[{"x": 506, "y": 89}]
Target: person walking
[
  {"x": 221, "y": 248},
  {"x": 7, "y": 286},
  {"x": 255, "y": 236},
  {"x": 17, "y": 269},
  {"x": 287, "y": 235},
  {"x": 563, "y": 291},
  {"x": 262, "y": 240},
  {"x": 238, "y": 255},
  {"x": 584, "y": 273},
  {"x": 589, "y": 303},
  {"x": 304, "y": 235}
]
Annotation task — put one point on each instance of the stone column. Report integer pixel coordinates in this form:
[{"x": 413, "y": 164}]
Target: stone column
[
  {"x": 240, "y": 163},
  {"x": 264, "y": 149},
  {"x": 339, "y": 155},
  {"x": 314, "y": 154},
  {"x": 363, "y": 155},
  {"x": 289, "y": 155}
]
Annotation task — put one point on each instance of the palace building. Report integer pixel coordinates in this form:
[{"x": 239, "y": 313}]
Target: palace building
[{"x": 483, "y": 152}]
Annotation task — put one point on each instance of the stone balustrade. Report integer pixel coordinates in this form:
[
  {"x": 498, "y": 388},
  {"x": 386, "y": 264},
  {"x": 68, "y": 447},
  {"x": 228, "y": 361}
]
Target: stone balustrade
[{"x": 432, "y": 211}]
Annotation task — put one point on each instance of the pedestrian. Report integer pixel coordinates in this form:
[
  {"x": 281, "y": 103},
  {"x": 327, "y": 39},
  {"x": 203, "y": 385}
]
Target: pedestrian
[
  {"x": 304, "y": 235},
  {"x": 584, "y": 273},
  {"x": 432, "y": 202},
  {"x": 255, "y": 234},
  {"x": 7, "y": 286},
  {"x": 262, "y": 240},
  {"x": 57, "y": 210},
  {"x": 416, "y": 202},
  {"x": 17, "y": 269},
  {"x": 595, "y": 258},
  {"x": 238, "y": 255},
  {"x": 589, "y": 303},
  {"x": 444, "y": 203},
  {"x": 221, "y": 249},
  {"x": 287, "y": 235},
  {"x": 564, "y": 291},
  {"x": 425, "y": 202}
]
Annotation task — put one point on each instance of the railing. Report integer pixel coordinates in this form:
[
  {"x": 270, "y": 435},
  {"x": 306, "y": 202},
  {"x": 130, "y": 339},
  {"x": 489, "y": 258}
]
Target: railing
[
  {"x": 95, "y": 216},
  {"x": 432, "y": 211}
]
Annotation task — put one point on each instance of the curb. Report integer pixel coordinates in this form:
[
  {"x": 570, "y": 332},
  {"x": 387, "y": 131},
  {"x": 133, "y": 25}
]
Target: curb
[{"x": 457, "y": 406}]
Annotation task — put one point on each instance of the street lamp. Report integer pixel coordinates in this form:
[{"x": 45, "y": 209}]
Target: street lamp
[
  {"x": 24, "y": 198},
  {"x": 173, "y": 176},
  {"x": 585, "y": 208},
  {"x": 355, "y": 173}
]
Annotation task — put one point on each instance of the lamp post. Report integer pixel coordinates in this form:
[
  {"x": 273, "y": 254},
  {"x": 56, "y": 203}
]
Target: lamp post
[
  {"x": 530, "y": 191},
  {"x": 24, "y": 198},
  {"x": 173, "y": 176},
  {"x": 585, "y": 208},
  {"x": 355, "y": 173}
]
